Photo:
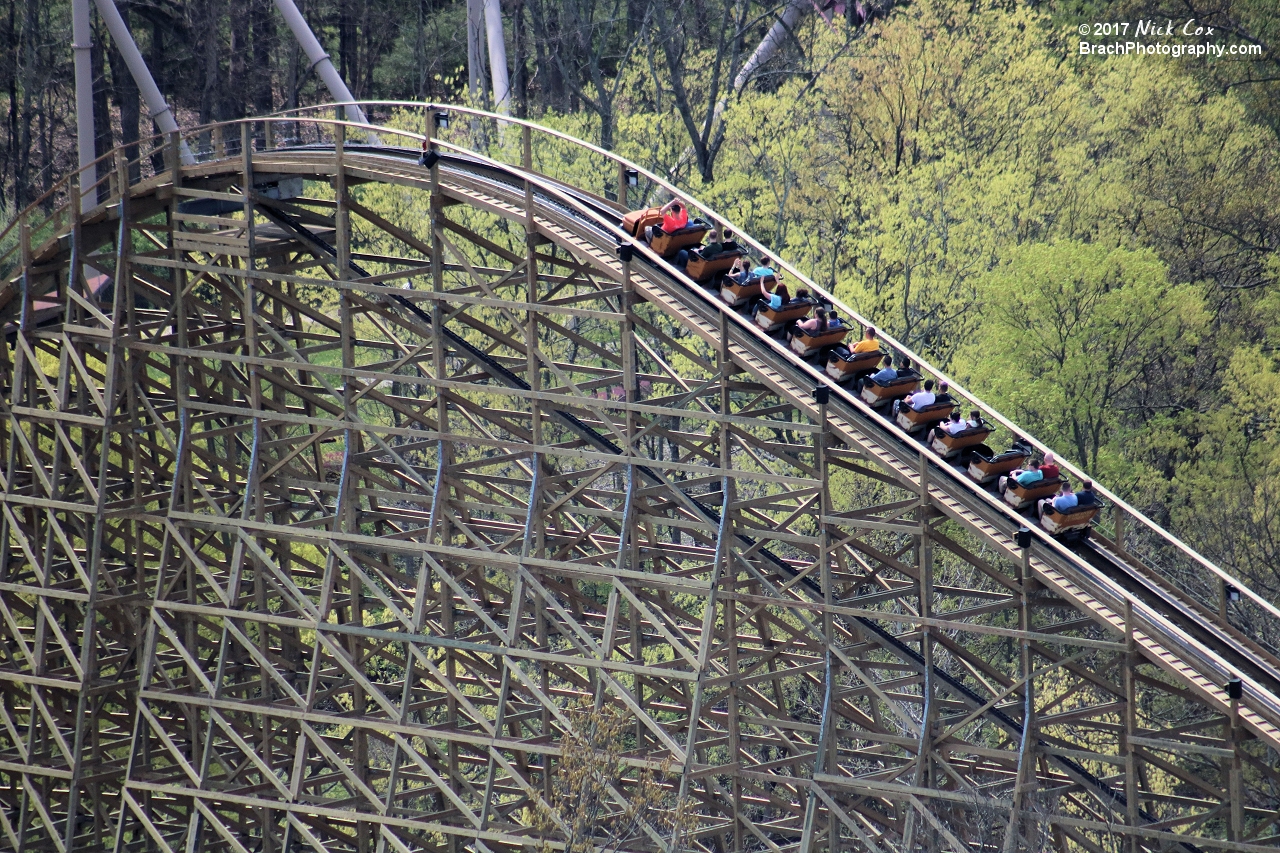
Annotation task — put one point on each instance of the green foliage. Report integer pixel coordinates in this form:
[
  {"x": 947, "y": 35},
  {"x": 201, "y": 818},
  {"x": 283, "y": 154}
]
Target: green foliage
[
  {"x": 1070, "y": 328},
  {"x": 1090, "y": 243}
]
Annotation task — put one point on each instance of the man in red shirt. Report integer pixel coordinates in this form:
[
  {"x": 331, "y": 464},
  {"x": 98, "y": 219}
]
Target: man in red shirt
[
  {"x": 1049, "y": 467},
  {"x": 674, "y": 217}
]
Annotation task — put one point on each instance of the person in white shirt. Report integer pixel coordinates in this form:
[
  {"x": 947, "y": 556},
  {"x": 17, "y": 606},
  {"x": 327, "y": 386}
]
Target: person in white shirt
[
  {"x": 953, "y": 425},
  {"x": 919, "y": 399}
]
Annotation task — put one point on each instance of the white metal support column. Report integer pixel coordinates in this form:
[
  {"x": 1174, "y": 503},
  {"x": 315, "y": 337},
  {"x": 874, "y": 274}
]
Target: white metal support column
[
  {"x": 160, "y": 112},
  {"x": 322, "y": 64},
  {"x": 82, "y": 45}
]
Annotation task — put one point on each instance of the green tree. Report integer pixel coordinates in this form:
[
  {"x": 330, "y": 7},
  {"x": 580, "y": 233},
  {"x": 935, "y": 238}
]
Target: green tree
[{"x": 1069, "y": 334}]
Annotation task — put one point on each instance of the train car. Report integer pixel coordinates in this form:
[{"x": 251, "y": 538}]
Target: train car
[
  {"x": 947, "y": 445},
  {"x": 686, "y": 238},
  {"x": 636, "y": 221},
  {"x": 1073, "y": 521},
  {"x": 917, "y": 420},
  {"x": 876, "y": 394},
  {"x": 771, "y": 319},
  {"x": 1021, "y": 497},
  {"x": 738, "y": 295},
  {"x": 985, "y": 466},
  {"x": 843, "y": 365},
  {"x": 703, "y": 269},
  {"x": 804, "y": 344}
]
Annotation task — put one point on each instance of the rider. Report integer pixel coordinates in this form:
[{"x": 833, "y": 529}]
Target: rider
[
  {"x": 674, "y": 217},
  {"x": 1064, "y": 501},
  {"x": 868, "y": 342},
  {"x": 953, "y": 425},
  {"x": 919, "y": 399}
]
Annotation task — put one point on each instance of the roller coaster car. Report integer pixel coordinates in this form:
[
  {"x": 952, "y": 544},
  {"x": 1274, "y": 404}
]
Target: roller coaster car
[
  {"x": 797, "y": 309},
  {"x": 740, "y": 294},
  {"x": 1021, "y": 497},
  {"x": 636, "y": 221},
  {"x": 805, "y": 344},
  {"x": 686, "y": 238},
  {"x": 986, "y": 466},
  {"x": 843, "y": 364},
  {"x": 875, "y": 394},
  {"x": 915, "y": 420},
  {"x": 1076, "y": 520},
  {"x": 947, "y": 445},
  {"x": 702, "y": 268}
]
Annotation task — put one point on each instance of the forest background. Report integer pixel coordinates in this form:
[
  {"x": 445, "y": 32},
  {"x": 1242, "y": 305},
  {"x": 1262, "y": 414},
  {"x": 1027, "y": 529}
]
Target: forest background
[{"x": 1092, "y": 244}]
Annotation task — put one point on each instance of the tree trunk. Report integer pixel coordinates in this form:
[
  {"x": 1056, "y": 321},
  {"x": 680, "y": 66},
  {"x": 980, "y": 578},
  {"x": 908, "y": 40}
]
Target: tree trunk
[
  {"x": 156, "y": 62},
  {"x": 519, "y": 42},
  {"x": 348, "y": 46},
  {"x": 23, "y": 192},
  {"x": 771, "y": 43},
  {"x": 264, "y": 48},
  {"x": 102, "y": 134},
  {"x": 475, "y": 50},
  {"x": 209, "y": 107},
  {"x": 238, "y": 73},
  {"x": 124, "y": 91}
]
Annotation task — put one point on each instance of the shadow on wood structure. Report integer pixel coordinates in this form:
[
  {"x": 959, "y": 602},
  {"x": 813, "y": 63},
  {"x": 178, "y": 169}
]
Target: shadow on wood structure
[{"x": 319, "y": 519}]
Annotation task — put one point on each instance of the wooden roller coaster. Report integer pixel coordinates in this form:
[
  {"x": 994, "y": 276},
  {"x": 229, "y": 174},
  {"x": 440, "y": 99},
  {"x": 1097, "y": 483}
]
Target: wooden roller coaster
[{"x": 344, "y": 496}]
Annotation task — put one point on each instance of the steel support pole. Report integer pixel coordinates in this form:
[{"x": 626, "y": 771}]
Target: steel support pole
[
  {"x": 497, "y": 56},
  {"x": 322, "y": 64},
  {"x": 82, "y": 45},
  {"x": 160, "y": 112}
]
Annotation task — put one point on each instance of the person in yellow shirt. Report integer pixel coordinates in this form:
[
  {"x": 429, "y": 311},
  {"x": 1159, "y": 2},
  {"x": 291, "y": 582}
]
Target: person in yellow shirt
[{"x": 868, "y": 342}]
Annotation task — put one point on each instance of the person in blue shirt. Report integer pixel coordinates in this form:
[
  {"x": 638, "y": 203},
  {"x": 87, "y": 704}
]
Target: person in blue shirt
[
  {"x": 1029, "y": 474},
  {"x": 739, "y": 272},
  {"x": 883, "y": 376},
  {"x": 1063, "y": 501},
  {"x": 764, "y": 269},
  {"x": 1086, "y": 497}
]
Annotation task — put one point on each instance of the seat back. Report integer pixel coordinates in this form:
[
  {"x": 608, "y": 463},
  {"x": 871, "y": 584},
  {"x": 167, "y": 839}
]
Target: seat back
[
  {"x": 636, "y": 221},
  {"x": 1035, "y": 491},
  {"x": 973, "y": 435},
  {"x": 689, "y": 236},
  {"x": 701, "y": 269},
  {"x": 936, "y": 412},
  {"x": 793, "y": 310},
  {"x": 822, "y": 339}
]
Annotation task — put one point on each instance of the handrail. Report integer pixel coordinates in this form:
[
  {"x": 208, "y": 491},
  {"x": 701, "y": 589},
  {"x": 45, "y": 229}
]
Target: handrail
[
  {"x": 1210, "y": 658},
  {"x": 956, "y": 388}
]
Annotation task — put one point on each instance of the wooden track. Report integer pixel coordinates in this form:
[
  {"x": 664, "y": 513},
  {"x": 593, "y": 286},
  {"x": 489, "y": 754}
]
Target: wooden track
[{"x": 322, "y": 537}]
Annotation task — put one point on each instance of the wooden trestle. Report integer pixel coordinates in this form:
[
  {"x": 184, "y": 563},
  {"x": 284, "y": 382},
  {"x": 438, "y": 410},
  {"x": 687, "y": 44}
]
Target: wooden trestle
[{"x": 321, "y": 524}]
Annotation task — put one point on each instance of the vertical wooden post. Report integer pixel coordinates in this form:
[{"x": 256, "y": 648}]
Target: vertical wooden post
[
  {"x": 1026, "y": 751},
  {"x": 825, "y": 752},
  {"x": 924, "y": 589},
  {"x": 1132, "y": 802},
  {"x": 444, "y": 454},
  {"x": 1235, "y": 780}
]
